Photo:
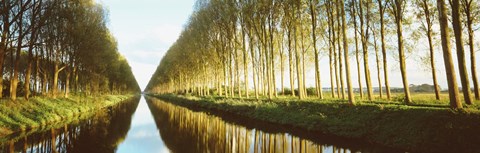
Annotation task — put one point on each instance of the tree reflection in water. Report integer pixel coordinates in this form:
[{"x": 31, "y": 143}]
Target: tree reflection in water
[
  {"x": 181, "y": 130},
  {"x": 184, "y": 130},
  {"x": 101, "y": 133}
]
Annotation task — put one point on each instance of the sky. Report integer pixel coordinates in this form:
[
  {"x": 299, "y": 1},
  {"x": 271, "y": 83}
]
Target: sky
[{"x": 145, "y": 29}]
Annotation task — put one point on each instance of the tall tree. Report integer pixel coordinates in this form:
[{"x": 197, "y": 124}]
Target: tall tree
[
  {"x": 364, "y": 27},
  {"x": 397, "y": 8},
  {"x": 357, "y": 52},
  {"x": 471, "y": 9},
  {"x": 381, "y": 11},
  {"x": 313, "y": 16},
  {"x": 428, "y": 13},
  {"x": 462, "y": 66},
  {"x": 447, "y": 56},
  {"x": 351, "y": 97}
]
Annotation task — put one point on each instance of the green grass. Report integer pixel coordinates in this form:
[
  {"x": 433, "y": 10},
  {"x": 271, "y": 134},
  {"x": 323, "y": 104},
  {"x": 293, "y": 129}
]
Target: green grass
[
  {"x": 427, "y": 126},
  {"x": 22, "y": 115}
]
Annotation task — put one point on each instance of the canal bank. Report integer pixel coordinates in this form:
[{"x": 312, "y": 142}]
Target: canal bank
[
  {"x": 417, "y": 129},
  {"x": 22, "y": 115}
]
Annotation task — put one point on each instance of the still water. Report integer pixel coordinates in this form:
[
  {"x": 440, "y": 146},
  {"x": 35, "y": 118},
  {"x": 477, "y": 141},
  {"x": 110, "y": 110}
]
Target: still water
[{"x": 151, "y": 125}]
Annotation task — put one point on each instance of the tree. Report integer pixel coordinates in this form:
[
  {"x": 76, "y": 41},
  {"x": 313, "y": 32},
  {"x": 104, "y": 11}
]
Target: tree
[
  {"x": 364, "y": 27},
  {"x": 457, "y": 29},
  {"x": 313, "y": 16},
  {"x": 471, "y": 9},
  {"x": 397, "y": 11},
  {"x": 381, "y": 11},
  {"x": 357, "y": 52},
  {"x": 428, "y": 13},
  {"x": 351, "y": 97},
  {"x": 447, "y": 56}
]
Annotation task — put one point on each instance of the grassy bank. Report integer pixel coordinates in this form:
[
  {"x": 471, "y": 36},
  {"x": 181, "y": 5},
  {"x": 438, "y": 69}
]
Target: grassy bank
[
  {"x": 22, "y": 115},
  {"x": 415, "y": 128}
]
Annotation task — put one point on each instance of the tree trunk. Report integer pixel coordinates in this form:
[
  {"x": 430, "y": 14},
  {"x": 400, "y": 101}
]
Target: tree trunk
[
  {"x": 36, "y": 76},
  {"x": 377, "y": 59},
  {"x": 2, "y": 57},
  {"x": 335, "y": 61},
  {"x": 351, "y": 97},
  {"x": 290, "y": 63},
  {"x": 457, "y": 29},
  {"x": 331, "y": 49},
  {"x": 245, "y": 62},
  {"x": 16, "y": 67},
  {"x": 254, "y": 67},
  {"x": 282, "y": 67},
  {"x": 272, "y": 58},
  {"x": 432, "y": 63},
  {"x": 340, "y": 61},
  {"x": 44, "y": 83},
  {"x": 318, "y": 85},
  {"x": 359, "y": 73},
  {"x": 28, "y": 74},
  {"x": 384, "y": 50},
  {"x": 365, "y": 39},
  {"x": 299, "y": 71},
  {"x": 67, "y": 84},
  {"x": 3, "y": 40},
  {"x": 403, "y": 69},
  {"x": 473, "y": 62},
  {"x": 447, "y": 56}
]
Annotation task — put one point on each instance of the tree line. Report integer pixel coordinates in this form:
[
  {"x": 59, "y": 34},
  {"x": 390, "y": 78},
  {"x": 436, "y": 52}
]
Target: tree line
[
  {"x": 228, "y": 44},
  {"x": 53, "y": 47}
]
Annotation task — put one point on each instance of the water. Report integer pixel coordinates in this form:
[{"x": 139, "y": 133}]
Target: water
[{"x": 154, "y": 126}]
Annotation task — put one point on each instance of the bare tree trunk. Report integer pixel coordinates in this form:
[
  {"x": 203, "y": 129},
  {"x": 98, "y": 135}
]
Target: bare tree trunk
[
  {"x": 473, "y": 64},
  {"x": 359, "y": 73},
  {"x": 364, "y": 36},
  {"x": 313, "y": 15},
  {"x": 3, "y": 40},
  {"x": 290, "y": 62},
  {"x": 254, "y": 67},
  {"x": 2, "y": 57},
  {"x": 457, "y": 29},
  {"x": 335, "y": 61},
  {"x": 377, "y": 59},
  {"x": 384, "y": 50},
  {"x": 351, "y": 97},
  {"x": 398, "y": 14},
  {"x": 36, "y": 76},
  {"x": 44, "y": 83},
  {"x": 331, "y": 48},
  {"x": 428, "y": 21},
  {"x": 299, "y": 71},
  {"x": 282, "y": 65},
  {"x": 272, "y": 55},
  {"x": 67, "y": 83},
  {"x": 28, "y": 74},
  {"x": 245, "y": 62},
  {"x": 447, "y": 56},
  {"x": 340, "y": 61},
  {"x": 432, "y": 63},
  {"x": 16, "y": 67}
]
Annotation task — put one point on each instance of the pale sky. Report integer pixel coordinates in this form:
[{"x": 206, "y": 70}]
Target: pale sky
[{"x": 145, "y": 29}]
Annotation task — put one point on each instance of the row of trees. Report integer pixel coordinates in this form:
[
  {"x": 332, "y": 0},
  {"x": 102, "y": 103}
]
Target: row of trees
[
  {"x": 51, "y": 47},
  {"x": 227, "y": 38}
]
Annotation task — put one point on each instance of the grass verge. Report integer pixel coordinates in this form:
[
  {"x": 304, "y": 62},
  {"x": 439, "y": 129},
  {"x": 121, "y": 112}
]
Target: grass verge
[
  {"x": 414, "y": 128},
  {"x": 22, "y": 115}
]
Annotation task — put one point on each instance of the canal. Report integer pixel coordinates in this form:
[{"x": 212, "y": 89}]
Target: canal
[{"x": 150, "y": 125}]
